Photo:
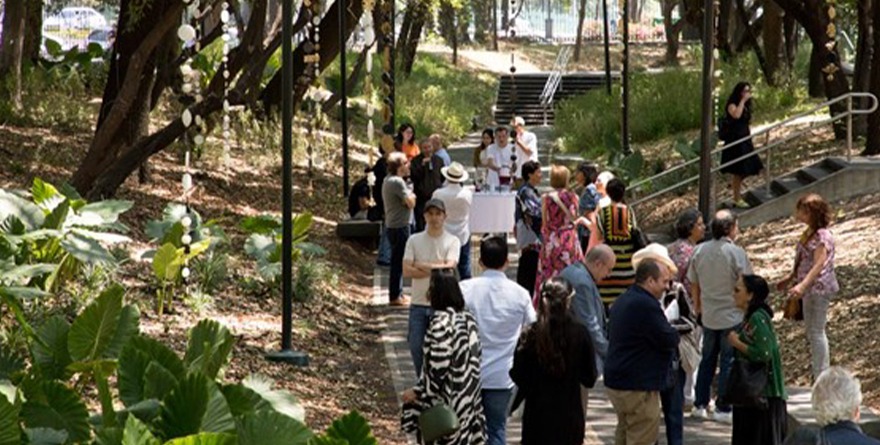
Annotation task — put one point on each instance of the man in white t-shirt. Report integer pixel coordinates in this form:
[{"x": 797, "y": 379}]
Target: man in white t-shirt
[
  {"x": 433, "y": 248},
  {"x": 502, "y": 309},
  {"x": 496, "y": 158},
  {"x": 458, "y": 199},
  {"x": 525, "y": 147}
]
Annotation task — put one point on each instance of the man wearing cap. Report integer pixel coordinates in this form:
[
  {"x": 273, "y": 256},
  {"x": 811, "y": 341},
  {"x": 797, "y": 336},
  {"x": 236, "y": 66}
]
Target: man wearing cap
[
  {"x": 526, "y": 147},
  {"x": 458, "y": 199},
  {"x": 641, "y": 346},
  {"x": 433, "y": 248}
]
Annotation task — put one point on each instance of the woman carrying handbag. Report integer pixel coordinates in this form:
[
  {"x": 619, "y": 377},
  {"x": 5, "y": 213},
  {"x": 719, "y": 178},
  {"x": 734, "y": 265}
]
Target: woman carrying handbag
[{"x": 759, "y": 410}]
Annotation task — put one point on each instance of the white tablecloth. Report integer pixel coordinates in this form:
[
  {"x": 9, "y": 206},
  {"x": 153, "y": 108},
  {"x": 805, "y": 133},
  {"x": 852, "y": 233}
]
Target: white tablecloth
[{"x": 492, "y": 212}]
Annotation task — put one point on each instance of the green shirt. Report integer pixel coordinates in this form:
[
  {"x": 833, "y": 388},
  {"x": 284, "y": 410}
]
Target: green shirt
[{"x": 758, "y": 334}]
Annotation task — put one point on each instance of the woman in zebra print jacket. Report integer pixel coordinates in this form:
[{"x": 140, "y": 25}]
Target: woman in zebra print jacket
[{"x": 451, "y": 369}]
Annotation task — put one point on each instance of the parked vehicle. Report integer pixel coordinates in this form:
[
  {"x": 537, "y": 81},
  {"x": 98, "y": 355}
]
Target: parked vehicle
[
  {"x": 104, "y": 37},
  {"x": 76, "y": 17}
]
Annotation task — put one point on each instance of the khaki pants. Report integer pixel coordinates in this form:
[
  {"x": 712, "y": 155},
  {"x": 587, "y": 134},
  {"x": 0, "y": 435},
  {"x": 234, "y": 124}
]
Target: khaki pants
[{"x": 638, "y": 416}]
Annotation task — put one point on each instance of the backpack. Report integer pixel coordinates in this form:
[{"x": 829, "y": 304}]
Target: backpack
[{"x": 724, "y": 128}]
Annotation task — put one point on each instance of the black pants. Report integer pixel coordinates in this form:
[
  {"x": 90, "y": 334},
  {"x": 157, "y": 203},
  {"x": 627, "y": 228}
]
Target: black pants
[
  {"x": 419, "y": 215},
  {"x": 755, "y": 426},
  {"x": 398, "y": 238},
  {"x": 527, "y": 270}
]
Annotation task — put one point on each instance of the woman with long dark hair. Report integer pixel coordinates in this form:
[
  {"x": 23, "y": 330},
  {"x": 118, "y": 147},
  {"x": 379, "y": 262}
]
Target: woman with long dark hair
[
  {"x": 406, "y": 141},
  {"x": 756, "y": 342},
  {"x": 553, "y": 359},
  {"x": 486, "y": 139},
  {"x": 737, "y": 116},
  {"x": 451, "y": 368}
]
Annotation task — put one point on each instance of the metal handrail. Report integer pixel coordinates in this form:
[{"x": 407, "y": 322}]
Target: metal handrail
[
  {"x": 554, "y": 80},
  {"x": 848, "y": 114}
]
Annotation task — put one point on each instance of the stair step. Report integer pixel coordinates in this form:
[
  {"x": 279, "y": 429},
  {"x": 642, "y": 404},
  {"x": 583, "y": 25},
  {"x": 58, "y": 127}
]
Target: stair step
[
  {"x": 812, "y": 173},
  {"x": 835, "y": 164},
  {"x": 760, "y": 195},
  {"x": 787, "y": 184}
]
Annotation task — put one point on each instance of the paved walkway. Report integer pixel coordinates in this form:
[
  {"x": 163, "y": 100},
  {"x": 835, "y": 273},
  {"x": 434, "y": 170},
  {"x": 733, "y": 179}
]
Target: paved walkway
[{"x": 494, "y": 61}]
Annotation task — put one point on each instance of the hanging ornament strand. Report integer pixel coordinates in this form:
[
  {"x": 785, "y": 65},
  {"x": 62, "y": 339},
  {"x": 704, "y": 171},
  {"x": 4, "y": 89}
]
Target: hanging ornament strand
[{"x": 224, "y": 66}]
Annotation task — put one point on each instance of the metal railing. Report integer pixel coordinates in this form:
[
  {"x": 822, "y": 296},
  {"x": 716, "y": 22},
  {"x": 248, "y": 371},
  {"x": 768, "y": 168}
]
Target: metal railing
[
  {"x": 768, "y": 147},
  {"x": 554, "y": 80}
]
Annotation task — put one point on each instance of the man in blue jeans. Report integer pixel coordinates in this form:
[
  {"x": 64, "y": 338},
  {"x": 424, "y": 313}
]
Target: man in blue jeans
[
  {"x": 502, "y": 308},
  {"x": 714, "y": 269},
  {"x": 399, "y": 202}
]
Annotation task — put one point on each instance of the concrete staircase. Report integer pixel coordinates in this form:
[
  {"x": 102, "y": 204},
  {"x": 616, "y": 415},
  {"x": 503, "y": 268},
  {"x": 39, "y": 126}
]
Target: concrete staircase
[{"x": 520, "y": 94}]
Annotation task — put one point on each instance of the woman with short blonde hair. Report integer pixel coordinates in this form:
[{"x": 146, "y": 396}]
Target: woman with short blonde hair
[
  {"x": 559, "y": 216},
  {"x": 559, "y": 175}
]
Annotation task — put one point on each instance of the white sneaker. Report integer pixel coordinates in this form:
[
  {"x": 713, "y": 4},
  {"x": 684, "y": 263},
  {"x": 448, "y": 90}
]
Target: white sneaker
[
  {"x": 699, "y": 413},
  {"x": 722, "y": 417}
]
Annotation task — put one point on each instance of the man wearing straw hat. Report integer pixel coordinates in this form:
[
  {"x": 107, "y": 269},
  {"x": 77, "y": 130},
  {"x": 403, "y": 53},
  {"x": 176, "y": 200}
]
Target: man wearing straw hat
[{"x": 458, "y": 201}]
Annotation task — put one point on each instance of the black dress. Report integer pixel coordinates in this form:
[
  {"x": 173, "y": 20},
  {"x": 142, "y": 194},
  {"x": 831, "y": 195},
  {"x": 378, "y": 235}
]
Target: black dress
[
  {"x": 738, "y": 129},
  {"x": 553, "y": 413}
]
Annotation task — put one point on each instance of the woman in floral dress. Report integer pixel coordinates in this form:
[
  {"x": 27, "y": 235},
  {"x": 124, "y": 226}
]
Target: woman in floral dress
[{"x": 559, "y": 210}]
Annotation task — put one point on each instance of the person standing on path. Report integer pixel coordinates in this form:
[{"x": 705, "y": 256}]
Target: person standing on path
[
  {"x": 486, "y": 139},
  {"x": 399, "y": 201},
  {"x": 560, "y": 246},
  {"x": 735, "y": 126},
  {"x": 528, "y": 226},
  {"x": 458, "y": 199},
  {"x": 813, "y": 275},
  {"x": 440, "y": 150},
  {"x": 431, "y": 249},
  {"x": 615, "y": 226},
  {"x": 553, "y": 360},
  {"x": 585, "y": 178},
  {"x": 714, "y": 270},
  {"x": 497, "y": 160},
  {"x": 641, "y": 346},
  {"x": 406, "y": 141},
  {"x": 502, "y": 309},
  {"x": 525, "y": 147},
  {"x": 426, "y": 177}
]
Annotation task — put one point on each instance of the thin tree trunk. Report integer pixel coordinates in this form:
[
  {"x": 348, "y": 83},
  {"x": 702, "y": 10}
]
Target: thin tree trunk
[
  {"x": 408, "y": 46},
  {"x": 722, "y": 36},
  {"x": 753, "y": 42},
  {"x": 789, "y": 32},
  {"x": 815, "y": 85},
  {"x": 15, "y": 14},
  {"x": 872, "y": 147},
  {"x": 579, "y": 37},
  {"x": 32, "y": 38},
  {"x": 864, "y": 54},
  {"x": 772, "y": 36},
  {"x": 673, "y": 31}
]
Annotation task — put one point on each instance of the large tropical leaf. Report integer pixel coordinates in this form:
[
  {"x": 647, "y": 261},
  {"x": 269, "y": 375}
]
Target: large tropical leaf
[
  {"x": 87, "y": 249},
  {"x": 50, "y": 354},
  {"x": 301, "y": 225},
  {"x": 103, "y": 237},
  {"x": 45, "y": 195},
  {"x": 204, "y": 439},
  {"x": 167, "y": 262},
  {"x": 23, "y": 293},
  {"x": 208, "y": 349},
  {"x": 158, "y": 381},
  {"x": 10, "y": 362},
  {"x": 8, "y": 391},
  {"x": 128, "y": 327},
  {"x": 281, "y": 401},
  {"x": 260, "y": 247},
  {"x": 266, "y": 427},
  {"x": 13, "y": 205},
  {"x": 51, "y": 404},
  {"x": 46, "y": 436},
  {"x": 353, "y": 428},
  {"x": 94, "y": 330},
  {"x": 10, "y": 430},
  {"x": 108, "y": 211},
  {"x": 145, "y": 411},
  {"x": 56, "y": 219},
  {"x": 136, "y": 433},
  {"x": 26, "y": 272},
  {"x": 195, "y": 405},
  {"x": 261, "y": 224},
  {"x": 135, "y": 358}
]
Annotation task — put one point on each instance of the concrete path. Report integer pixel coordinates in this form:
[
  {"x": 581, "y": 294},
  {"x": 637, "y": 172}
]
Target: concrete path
[{"x": 494, "y": 61}]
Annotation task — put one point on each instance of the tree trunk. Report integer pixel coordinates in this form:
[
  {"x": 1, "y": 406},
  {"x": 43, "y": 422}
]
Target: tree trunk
[
  {"x": 772, "y": 37},
  {"x": 815, "y": 86},
  {"x": 753, "y": 41},
  {"x": 32, "y": 38},
  {"x": 14, "y": 16},
  {"x": 872, "y": 147},
  {"x": 579, "y": 37},
  {"x": 864, "y": 54},
  {"x": 722, "y": 36},
  {"x": 790, "y": 33},
  {"x": 673, "y": 31},
  {"x": 408, "y": 45},
  {"x": 482, "y": 10}
]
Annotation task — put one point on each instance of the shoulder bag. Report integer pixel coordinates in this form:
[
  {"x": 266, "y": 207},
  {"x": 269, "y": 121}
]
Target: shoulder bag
[
  {"x": 525, "y": 234},
  {"x": 746, "y": 383},
  {"x": 640, "y": 241},
  {"x": 437, "y": 422},
  {"x": 794, "y": 307}
]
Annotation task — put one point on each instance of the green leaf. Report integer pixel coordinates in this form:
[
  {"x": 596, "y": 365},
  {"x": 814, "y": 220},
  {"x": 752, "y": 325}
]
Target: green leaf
[
  {"x": 301, "y": 225},
  {"x": 102, "y": 237},
  {"x": 50, "y": 354},
  {"x": 87, "y": 250},
  {"x": 46, "y": 436},
  {"x": 354, "y": 428},
  {"x": 134, "y": 359},
  {"x": 108, "y": 210},
  {"x": 311, "y": 248},
  {"x": 13, "y": 205},
  {"x": 158, "y": 381},
  {"x": 266, "y": 427},
  {"x": 167, "y": 262},
  {"x": 208, "y": 348},
  {"x": 262, "y": 224},
  {"x": 281, "y": 401},
  {"x": 195, "y": 249},
  {"x": 195, "y": 405},
  {"x": 94, "y": 330},
  {"x": 242, "y": 400},
  {"x": 57, "y": 217},
  {"x": 26, "y": 272},
  {"x": 146, "y": 410},
  {"x": 23, "y": 293},
  {"x": 136, "y": 433},
  {"x": 10, "y": 362},
  {"x": 52, "y": 405},
  {"x": 128, "y": 327},
  {"x": 204, "y": 439},
  {"x": 43, "y": 191},
  {"x": 10, "y": 430},
  {"x": 8, "y": 391},
  {"x": 108, "y": 435},
  {"x": 259, "y": 247}
]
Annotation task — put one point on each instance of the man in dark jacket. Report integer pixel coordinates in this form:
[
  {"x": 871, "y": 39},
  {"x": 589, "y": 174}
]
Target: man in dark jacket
[
  {"x": 641, "y": 343},
  {"x": 426, "y": 177}
]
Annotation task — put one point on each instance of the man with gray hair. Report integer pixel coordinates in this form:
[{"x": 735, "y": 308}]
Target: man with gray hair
[
  {"x": 586, "y": 306},
  {"x": 714, "y": 270},
  {"x": 837, "y": 396}
]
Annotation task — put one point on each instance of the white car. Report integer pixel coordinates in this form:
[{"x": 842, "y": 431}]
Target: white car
[{"x": 76, "y": 17}]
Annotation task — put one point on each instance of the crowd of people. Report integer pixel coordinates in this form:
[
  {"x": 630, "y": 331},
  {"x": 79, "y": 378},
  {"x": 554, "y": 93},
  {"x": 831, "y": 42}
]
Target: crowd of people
[{"x": 594, "y": 299}]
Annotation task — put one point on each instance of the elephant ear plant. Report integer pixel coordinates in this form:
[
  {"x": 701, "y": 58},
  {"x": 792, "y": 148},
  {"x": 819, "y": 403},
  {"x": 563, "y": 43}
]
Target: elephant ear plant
[
  {"x": 264, "y": 244},
  {"x": 159, "y": 398}
]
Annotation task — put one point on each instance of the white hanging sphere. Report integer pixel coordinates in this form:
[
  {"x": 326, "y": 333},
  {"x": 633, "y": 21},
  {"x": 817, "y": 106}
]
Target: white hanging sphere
[
  {"x": 224, "y": 16},
  {"x": 199, "y": 139},
  {"x": 185, "y": 272},
  {"x": 187, "y": 182},
  {"x": 186, "y": 239},
  {"x": 187, "y": 88},
  {"x": 226, "y": 106},
  {"x": 226, "y": 134},
  {"x": 225, "y": 37},
  {"x": 186, "y": 33},
  {"x": 226, "y": 118},
  {"x": 199, "y": 120},
  {"x": 226, "y": 74},
  {"x": 225, "y": 59},
  {"x": 186, "y": 221},
  {"x": 186, "y": 69},
  {"x": 225, "y": 125},
  {"x": 187, "y": 118}
]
